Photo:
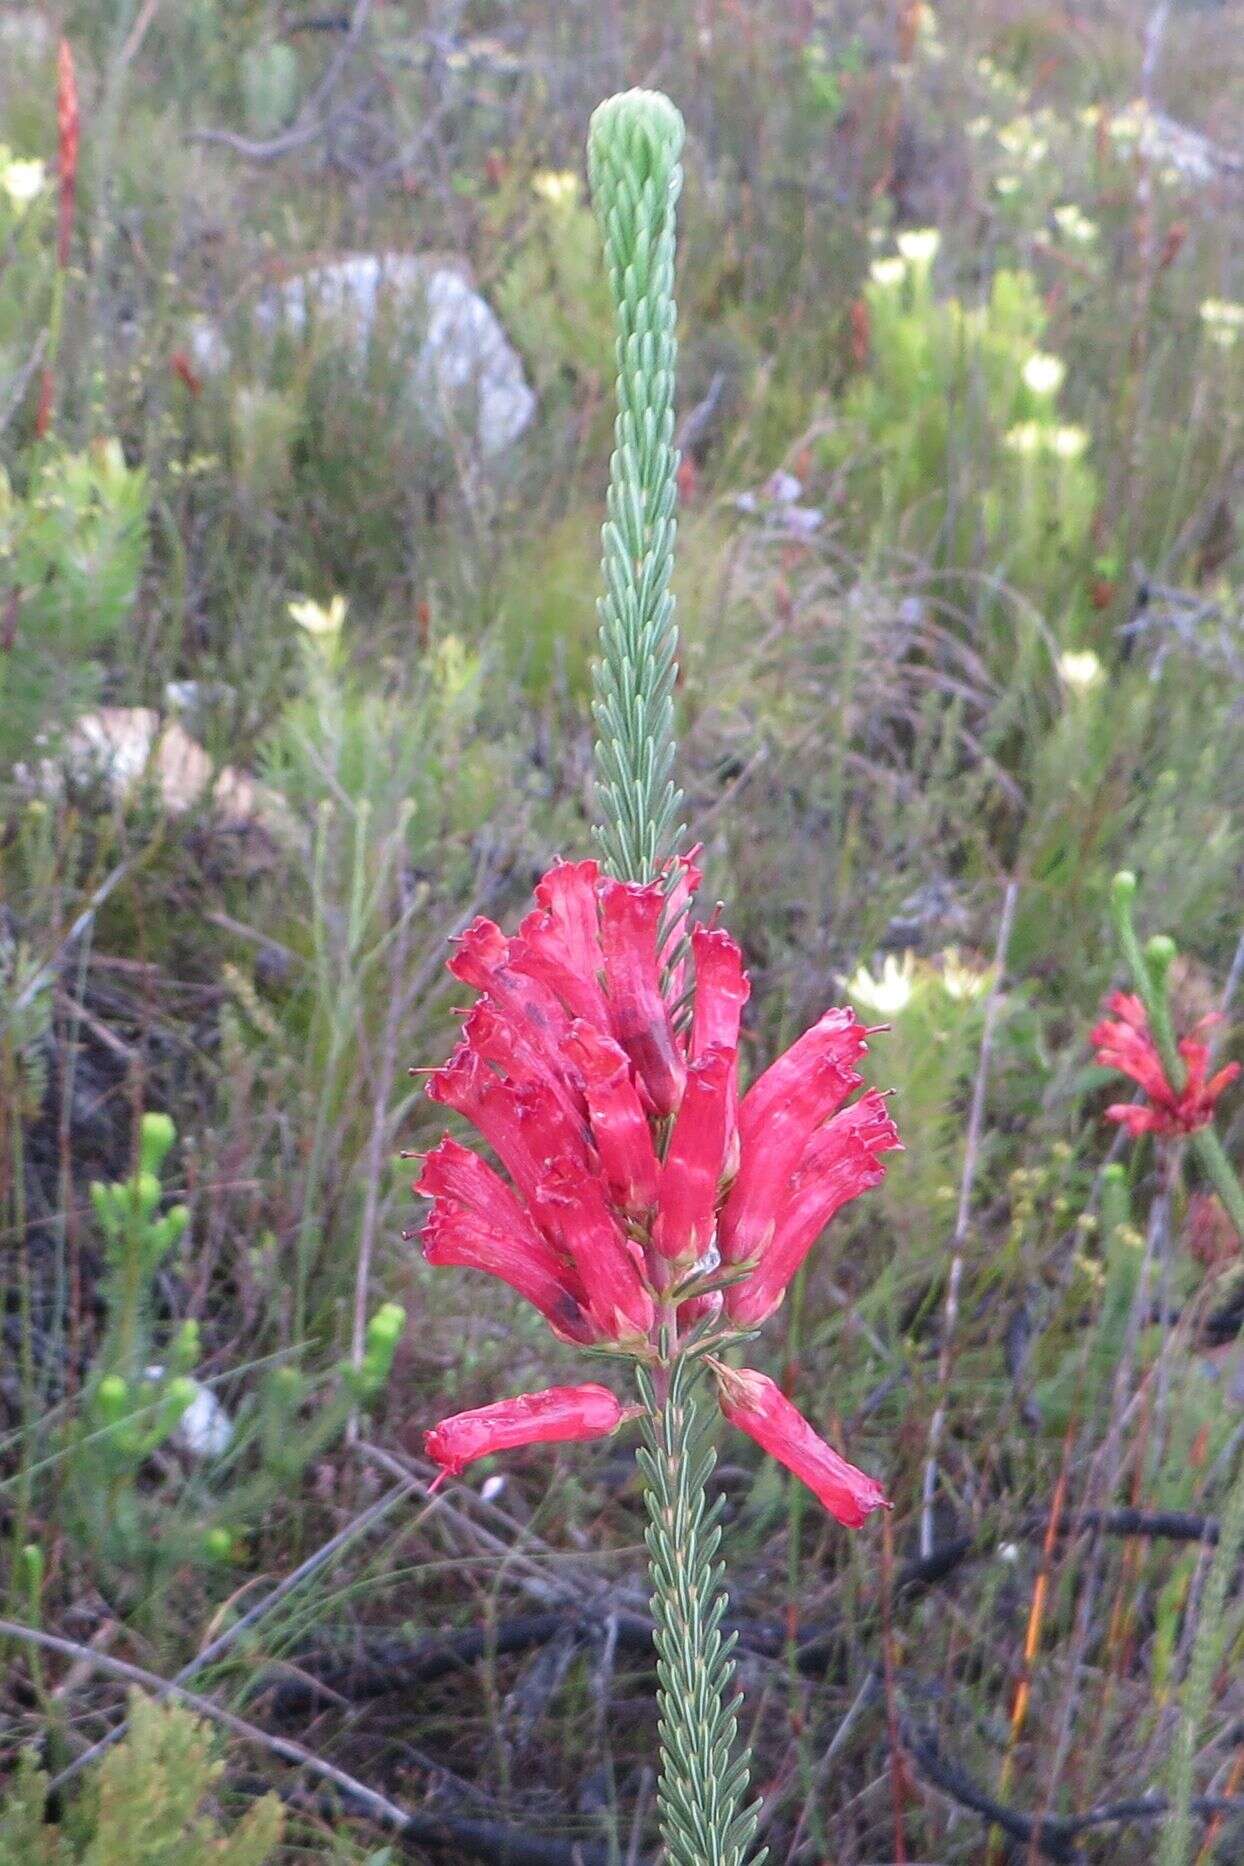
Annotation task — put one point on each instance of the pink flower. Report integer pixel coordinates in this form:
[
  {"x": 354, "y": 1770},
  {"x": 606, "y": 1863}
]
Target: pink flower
[
  {"x": 758, "y": 1407},
  {"x": 557, "y": 1415},
  {"x": 1126, "y": 1044},
  {"x": 599, "y": 1064}
]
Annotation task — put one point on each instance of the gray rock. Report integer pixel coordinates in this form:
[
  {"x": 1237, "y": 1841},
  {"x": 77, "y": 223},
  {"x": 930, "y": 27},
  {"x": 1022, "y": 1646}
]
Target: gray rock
[{"x": 466, "y": 378}]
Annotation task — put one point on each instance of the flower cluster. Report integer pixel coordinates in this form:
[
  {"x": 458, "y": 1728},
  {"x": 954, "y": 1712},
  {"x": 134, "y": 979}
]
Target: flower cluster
[
  {"x": 1125, "y": 1042},
  {"x": 644, "y": 1207}
]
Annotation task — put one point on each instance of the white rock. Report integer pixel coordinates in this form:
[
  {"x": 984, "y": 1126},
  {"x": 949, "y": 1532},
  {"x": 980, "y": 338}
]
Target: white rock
[
  {"x": 466, "y": 377},
  {"x": 126, "y": 747}
]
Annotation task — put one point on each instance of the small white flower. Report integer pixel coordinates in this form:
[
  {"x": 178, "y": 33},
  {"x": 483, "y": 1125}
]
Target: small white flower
[
  {"x": 23, "y": 180},
  {"x": 1044, "y": 375},
  {"x": 1008, "y": 1552},
  {"x": 918, "y": 245},
  {"x": 1079, "y": 669},
  {"x": 317, "y": 620},
  {"x": 205, "y": 1428},
  {"x": 1006, "y": 185},
  {"x": 888, "y": 273},
  {"x": 890, "y": 993}
]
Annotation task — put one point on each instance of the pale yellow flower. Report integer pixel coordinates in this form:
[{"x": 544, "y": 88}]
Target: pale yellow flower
[
  {"x": 1069, "y": 443},
  {"x": 23, "y": 180},
  {"x": 1079, "y": 669},
  {"x": 888, "y": 273},
  {"x": 1044, "y": 374},
  {"x": 1025, "y": 438},
  {"x": 317, "y": 620},
  {"x": 962, "y": 981},
  {"x": 1075, "y": 225},
  {"x": 559, "y": 187},
  {"x": 918, "y": 245},
  {"x": 1223, "y": 320},
  {"x": 890, "y": 993}
]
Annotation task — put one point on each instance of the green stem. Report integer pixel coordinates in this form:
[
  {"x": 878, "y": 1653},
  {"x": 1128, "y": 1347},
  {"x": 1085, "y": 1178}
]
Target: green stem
[
  {"x": 1206, "y": 1651},
  {"x": 1221, "y": 1174},
  {"x": 633, "y": 160},
  {"x": 702, "y": 1792}
]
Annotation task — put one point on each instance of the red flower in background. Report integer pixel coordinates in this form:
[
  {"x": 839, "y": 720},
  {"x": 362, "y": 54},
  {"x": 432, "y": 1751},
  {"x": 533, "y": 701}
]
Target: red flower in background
[
  {"x": 68, "y": 135},
  {"x": 606, "y": 1085},
  {"x": 1125, "y": 1042}
]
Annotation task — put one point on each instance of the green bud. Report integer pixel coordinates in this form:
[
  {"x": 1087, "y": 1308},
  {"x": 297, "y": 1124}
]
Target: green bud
[
  {"x": 1159, "y": 951},
  {"x": 1123, "y": 888},
  {"x": 145, "y": 1190},
  {"x": 186, "y": 1347},
  {"x": 218, "y": 1545},
  {"x": 104, "y": 1205},
  {"x": 285, "y": 1388},
  {"x": 33, "y": 1569},
  {"x": 156, "y": 1134},
  {"x": 113, "y": 1398}
]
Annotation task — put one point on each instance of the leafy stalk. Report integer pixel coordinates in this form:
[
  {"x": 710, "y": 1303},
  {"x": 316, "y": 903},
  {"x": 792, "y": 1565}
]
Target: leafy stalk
[
  {"x": 705, "y": 1817},
  {"x": 633, "y": 151}
]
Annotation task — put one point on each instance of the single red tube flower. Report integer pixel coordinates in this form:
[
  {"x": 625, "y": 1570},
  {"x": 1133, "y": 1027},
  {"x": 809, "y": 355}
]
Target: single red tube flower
[
  {"x": 68, "y": 134},
  {"x": 758, "y": 1407},
  {"x": 556, "y": 1415},
  {"x": 1125, "y": 1042},
  {"x": 638, "y": 1199}
]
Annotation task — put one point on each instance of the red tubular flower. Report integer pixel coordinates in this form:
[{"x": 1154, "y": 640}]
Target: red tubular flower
[
  {"x": 630, "y": 1169},
  {"x": 615, "y": 1112},
  {"x": 840, "y": 1161},
  {"x": 478, "y": 1224},
  {"x": 557, "y": 1415},
  {"x": 695, "y": 1161},
  {"x": 1126, "y": 1043},
  {"x": 630, "y": 917},
  {"x": 68, "y": 130},
  {"x": 758, "y": 1407}
]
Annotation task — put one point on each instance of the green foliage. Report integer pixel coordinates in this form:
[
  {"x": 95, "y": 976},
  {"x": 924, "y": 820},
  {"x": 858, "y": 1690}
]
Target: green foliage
[
  {"x": 142, "y": 1807},
  {"x": 553, "y": 296},
  {"x": 934, "y": 1014},
  {"x": 269, "y": 87},
  {"x": 71, "y": 552}
]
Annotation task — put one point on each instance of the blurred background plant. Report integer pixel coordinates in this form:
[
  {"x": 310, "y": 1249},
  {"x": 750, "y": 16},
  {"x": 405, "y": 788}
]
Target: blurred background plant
[{"x": 960, "y": 572}]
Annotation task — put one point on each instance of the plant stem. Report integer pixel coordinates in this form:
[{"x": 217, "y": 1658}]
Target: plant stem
[
  {"x": 702, "y": 1793},
  {"x": 1218, "y": 1169},
  {"x": 633, "y": 152},
  {"x": 1177, "y": 1833}
]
